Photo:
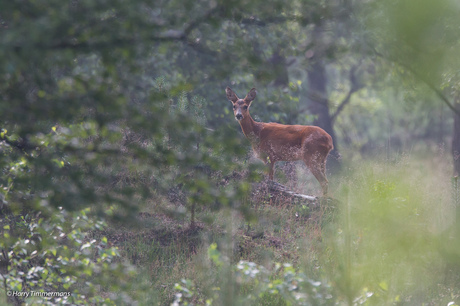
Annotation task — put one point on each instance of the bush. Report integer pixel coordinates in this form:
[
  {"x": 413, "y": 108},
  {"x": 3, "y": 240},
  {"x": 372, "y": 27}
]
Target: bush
[{"x": 50, "y": 261}]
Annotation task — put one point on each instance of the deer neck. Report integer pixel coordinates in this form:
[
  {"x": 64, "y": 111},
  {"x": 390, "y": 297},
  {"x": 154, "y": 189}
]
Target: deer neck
[{"x": 251, "y": 129}]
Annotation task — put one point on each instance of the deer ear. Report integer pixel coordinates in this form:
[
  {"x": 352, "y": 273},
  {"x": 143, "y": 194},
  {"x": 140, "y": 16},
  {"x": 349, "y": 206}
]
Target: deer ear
[
  {"x": 251, "y": 95},
  {"x": 231, "y": 95}
]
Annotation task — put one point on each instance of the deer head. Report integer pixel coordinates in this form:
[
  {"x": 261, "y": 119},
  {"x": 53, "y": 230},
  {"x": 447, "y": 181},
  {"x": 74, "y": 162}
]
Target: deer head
[{"x": 241, "y": 106}]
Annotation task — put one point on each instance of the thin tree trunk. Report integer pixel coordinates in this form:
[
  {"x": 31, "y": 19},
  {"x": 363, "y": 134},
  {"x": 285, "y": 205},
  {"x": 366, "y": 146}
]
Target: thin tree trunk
[
  {"x": 319, "y": 106},
  {"x": 279, "y": 65},
  {"x": 456, "y": 141},
  {"x": 456, "y": 156},
  {"x": 192, "y": 218}
]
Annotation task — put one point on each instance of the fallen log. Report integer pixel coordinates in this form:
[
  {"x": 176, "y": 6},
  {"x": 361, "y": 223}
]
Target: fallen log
[{"x": 276, "y": 190}]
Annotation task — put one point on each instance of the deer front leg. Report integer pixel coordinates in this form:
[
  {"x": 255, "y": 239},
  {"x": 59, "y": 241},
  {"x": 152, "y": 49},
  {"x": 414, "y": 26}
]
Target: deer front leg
[
  {"x": 269, "y": 162},
  {"x": 271, "y": 169}
]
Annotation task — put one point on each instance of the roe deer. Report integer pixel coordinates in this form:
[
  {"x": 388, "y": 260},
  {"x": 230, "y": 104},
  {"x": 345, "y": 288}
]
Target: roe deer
[{"x": 274, "y": 142}]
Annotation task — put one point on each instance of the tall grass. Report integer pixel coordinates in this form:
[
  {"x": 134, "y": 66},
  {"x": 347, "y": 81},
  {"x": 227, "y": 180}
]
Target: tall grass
[
  {"x": 386, "y": 246},
  {"x": 389, "y": 240}
]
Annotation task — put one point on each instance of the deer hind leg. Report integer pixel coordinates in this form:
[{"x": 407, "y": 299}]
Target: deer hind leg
[{"x": 317, "y": 165}]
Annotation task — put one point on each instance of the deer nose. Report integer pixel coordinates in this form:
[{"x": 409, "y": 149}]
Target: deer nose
[{"x": 238, "y": 116}]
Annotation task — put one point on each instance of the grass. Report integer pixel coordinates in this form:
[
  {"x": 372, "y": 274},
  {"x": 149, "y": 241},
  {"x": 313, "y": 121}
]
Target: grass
[{"x": 382, "y": 245}]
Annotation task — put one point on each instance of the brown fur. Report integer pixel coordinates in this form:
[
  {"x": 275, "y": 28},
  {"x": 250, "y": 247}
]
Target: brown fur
[{"x": 274, "y": 142}]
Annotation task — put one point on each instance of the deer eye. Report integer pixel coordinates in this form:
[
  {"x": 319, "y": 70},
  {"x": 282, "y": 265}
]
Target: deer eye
[
  {"x": 245, "y": 107},
  {"x": 234, "y": 106}
]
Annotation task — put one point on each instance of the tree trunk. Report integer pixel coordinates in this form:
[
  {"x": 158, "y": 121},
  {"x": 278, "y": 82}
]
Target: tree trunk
[
  {"x": 279, "y": 66},
  {"x": 456, "y": 141},
  {"x": 456, "y": 156},
  {"x": 319, "y": 106}
]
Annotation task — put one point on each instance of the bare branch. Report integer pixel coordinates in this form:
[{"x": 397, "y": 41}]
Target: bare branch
[
  {"x": 342, "y": 105},
  {"x": 274, "y": 20},
  {"x": 355, "y": 86},
  {"x": 196, "y": 23},
  {"x": 167, "y": 35},
  {"x": 315, "y": 97},
  {"x": 422, "y": 78}
]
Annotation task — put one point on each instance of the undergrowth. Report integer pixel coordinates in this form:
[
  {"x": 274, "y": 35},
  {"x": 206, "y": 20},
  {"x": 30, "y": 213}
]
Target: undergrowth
[{"x": 389, "y": 240}]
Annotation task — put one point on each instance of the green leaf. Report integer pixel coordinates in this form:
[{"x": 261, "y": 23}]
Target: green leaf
[{"x": 214, "y": 254}]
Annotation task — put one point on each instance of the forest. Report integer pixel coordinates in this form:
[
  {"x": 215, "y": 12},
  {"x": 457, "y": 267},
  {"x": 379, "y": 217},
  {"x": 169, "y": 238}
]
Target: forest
[{"x": 126, "y": 180}]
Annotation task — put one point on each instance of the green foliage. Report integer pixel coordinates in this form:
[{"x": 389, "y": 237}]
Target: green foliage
[
  {"x": 294, "y": 287},
  {"x": 55, "y": 261},
  {"x": 214, "y": 255},
  {"x": 107, "y": 109},
  {"x": 419, "y": 34},
  {"x": 388, "y": 243},
  {"x": 185, "y": 293},
  {"x": 86, "y": 123},
  {"x": 258, "y": 285}
]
